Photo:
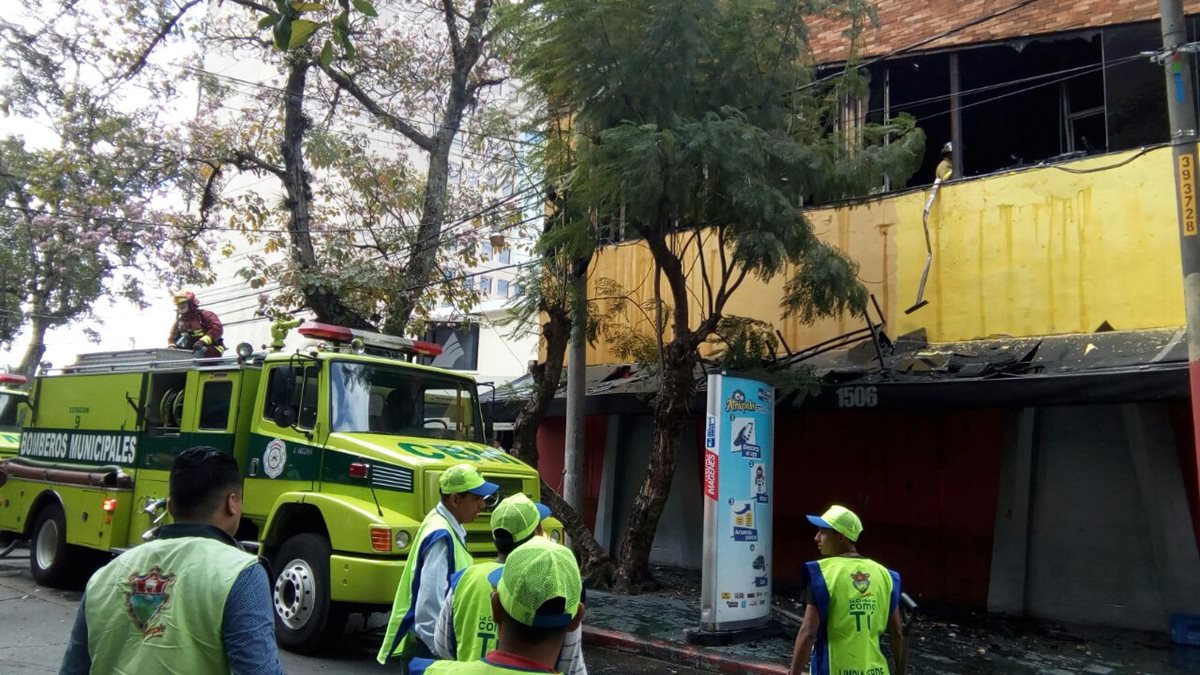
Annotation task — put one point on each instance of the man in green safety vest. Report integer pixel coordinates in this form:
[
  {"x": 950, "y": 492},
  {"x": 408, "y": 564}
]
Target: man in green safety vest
[
  {"x": 852, "y": 600},
  {"x": 538, "y": 600},
  {"x": 439, "y": 550},
  {"x": 466, "y": 629},
  {"x": 191, "y": 601}
]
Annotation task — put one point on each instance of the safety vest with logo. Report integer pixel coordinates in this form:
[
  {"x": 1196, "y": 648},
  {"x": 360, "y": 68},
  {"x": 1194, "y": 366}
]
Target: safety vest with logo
[
  {"x": 855, "y": 597},
  {"x": 482, "y": 667},
  {"x": 397, "y": 641},
  {"x": 162, "y": 604},
  {"x": 474, "y": 628}
]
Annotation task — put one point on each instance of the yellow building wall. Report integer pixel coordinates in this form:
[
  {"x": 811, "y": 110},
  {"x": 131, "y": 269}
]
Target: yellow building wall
[{"x": 1034, "y": 252}]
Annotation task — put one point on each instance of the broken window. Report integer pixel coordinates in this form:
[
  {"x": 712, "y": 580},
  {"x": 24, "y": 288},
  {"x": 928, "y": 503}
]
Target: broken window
[
  {"x": 1136, "y": 93},
  {"x": 1029, "y": 100}
]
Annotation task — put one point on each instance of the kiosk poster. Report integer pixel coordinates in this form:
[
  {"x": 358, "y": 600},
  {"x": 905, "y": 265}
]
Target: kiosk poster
[{"x": 738, "y": 473}]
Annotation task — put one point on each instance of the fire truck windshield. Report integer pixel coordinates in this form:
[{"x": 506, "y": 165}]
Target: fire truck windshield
[{"x": 403, "y": 402}]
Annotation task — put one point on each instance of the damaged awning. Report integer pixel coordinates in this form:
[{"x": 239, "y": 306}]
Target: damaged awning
[{"x": 1104, "y": 367}]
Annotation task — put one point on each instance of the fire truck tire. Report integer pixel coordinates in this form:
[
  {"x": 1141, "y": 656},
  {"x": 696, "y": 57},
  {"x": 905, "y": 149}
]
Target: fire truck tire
[
  {"x": 49, "y": 555},
  {"x": 306, "y": 620}
]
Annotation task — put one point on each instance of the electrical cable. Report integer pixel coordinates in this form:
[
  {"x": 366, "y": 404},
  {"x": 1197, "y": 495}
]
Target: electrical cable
[
  {"x": 920, "y": 43},
  {"x": 489, "y": 210},
  {"x": 1089, "y": 68}
]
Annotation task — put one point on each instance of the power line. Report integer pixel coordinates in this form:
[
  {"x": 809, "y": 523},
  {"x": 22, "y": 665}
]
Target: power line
[
  {"x": 920, "y": 43},
  {"x": 1013, "y": 93},
  {"x": 494, "y": 205},
  {"x": 1076, "y": 71}
]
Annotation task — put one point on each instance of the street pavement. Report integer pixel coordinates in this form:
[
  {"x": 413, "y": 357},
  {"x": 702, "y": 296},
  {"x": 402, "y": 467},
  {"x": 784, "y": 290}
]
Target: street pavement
[{"x": 37, "y": 621}]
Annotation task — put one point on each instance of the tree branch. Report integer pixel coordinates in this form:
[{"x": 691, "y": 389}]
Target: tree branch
[
  {"x": 250, "y": 4},
  {"x": 389, "y": 120},
  {"x": 158, "y": 38},
  {"x": 708, "y": 291},
  {"x": 729, "y": 294},
  {"x": 248, "y": 161},
  {"x": 475, "y": 86},
  {"x": 452, "y": 27}
]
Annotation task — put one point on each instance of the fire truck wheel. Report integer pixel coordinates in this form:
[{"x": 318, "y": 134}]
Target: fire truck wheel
[
  {"x": 48, "y": 559},
  {"x": 306, "y": 621}
]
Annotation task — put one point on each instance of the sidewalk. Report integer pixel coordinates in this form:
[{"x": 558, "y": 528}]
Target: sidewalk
[{"x": 946, "y": 642}]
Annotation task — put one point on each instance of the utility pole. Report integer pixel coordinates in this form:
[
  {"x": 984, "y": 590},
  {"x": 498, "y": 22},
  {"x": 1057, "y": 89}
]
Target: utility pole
[
  {"x": 576, "y": 392},
  {"x": 1181, "y": 113}
]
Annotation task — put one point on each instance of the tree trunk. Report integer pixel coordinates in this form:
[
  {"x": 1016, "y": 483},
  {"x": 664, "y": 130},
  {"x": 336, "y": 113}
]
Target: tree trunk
[
  {"x": 594, "y": 563},
  {"x": 321, "y": 297},
  {"x": 556, "y": 331},
  {"x": 675, "y": 390},
  {"x": 419, "y": 270},
  {"x": 37, "y": 346}
]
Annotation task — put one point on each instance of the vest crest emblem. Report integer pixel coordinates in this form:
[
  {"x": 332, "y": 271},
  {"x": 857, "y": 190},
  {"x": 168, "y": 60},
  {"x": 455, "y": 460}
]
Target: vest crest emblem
[
  {"x": 146, "y": 599},
  {"x": 861, "y": 581}
]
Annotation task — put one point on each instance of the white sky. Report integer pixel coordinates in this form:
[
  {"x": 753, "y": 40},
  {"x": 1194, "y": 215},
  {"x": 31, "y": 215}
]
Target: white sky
[{"x": 122, "y": 325}]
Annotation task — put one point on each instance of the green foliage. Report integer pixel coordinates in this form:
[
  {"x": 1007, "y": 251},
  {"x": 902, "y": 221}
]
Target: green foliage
[
  {"x": 291, "y": 30},
  {"x": 742, "y": 342},
  {"x": 705, "y": 114},
  {"x": 825, "y": 284}
]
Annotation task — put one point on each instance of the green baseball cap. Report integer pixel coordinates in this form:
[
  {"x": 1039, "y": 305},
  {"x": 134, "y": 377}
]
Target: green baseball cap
[
  {"x": 516, "y": 517},
  {"x": 841, "y": 520},
  {"x": 465, "y": 478},
  {"x": 536, "y": 573}
]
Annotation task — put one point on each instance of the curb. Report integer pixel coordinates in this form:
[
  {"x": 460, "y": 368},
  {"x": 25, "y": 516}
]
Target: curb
[{"x": 678, "y": 652}]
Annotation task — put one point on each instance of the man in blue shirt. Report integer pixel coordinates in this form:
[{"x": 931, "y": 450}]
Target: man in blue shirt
[{"x": 191, "y": 600}]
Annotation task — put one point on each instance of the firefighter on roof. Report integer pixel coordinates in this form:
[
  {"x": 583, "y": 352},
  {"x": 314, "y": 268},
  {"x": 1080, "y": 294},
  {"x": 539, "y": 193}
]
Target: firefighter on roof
[{"x": 196, "y": 330}]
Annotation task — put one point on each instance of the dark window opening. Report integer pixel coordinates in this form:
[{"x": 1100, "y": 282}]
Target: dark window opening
[
  {"x": 919, "y": 86},
  {"x": 1032, "y": 100},
  {"x": 460, "y": 346},
  {"x": 9, "y": 405},
  {"x": 303, "y": 395},
  {"x": 215, "y": 405},
  {"x": 1136, "y": 92}
]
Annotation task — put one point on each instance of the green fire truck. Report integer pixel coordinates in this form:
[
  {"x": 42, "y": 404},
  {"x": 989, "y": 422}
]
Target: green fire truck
[
  {"x": 12, "y": 408},
  {"x": 341, "y": 445}
]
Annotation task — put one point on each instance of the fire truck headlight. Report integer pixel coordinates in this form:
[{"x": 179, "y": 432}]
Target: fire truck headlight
[
  {"x": 403, "y": 539},
  {"x": 245, "y": 350},
  {"x": 556, "y": 536}
]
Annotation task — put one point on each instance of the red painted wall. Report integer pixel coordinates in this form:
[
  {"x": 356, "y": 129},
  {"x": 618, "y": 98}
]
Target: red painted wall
[
  {"x": 551, "y": 440},
  {"x": 924, "y": 484}
]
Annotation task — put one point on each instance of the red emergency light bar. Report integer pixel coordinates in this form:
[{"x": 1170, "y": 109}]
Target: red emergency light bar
[
  {"x": 9, "y": 378},
  {"x": 342, "y": 335}
]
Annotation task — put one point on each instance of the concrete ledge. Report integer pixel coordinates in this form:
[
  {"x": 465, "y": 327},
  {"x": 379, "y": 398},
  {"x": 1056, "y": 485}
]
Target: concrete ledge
[{"x": 678, "y": 652}]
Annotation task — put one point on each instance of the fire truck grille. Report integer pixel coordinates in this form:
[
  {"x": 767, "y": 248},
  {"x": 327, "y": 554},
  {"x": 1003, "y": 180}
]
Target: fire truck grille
[{"x": 393, "y": 477}]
